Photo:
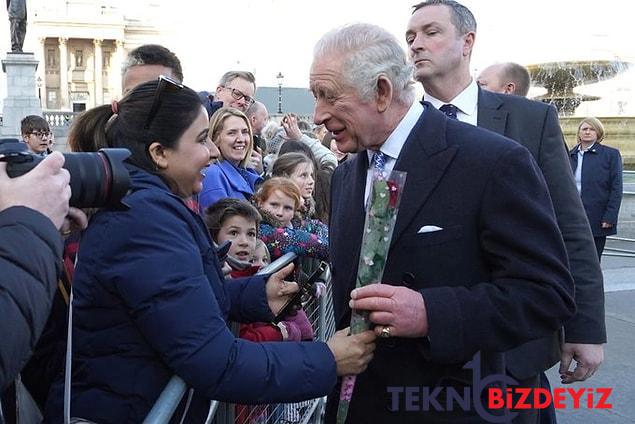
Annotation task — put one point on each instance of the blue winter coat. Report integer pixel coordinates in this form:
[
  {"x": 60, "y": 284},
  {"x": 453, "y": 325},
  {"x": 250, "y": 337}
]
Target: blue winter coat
[
  {"x": 601, "y": 186},
  {"x": 223, "y": 180},
  {"x": 151, "y": 301}
]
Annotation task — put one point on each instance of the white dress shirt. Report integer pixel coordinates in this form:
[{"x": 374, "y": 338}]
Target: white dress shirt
[
  {"x": 394, "y": 143},
  {"x": 466, "y": 102},
  {"x": 578, "y": 169}
]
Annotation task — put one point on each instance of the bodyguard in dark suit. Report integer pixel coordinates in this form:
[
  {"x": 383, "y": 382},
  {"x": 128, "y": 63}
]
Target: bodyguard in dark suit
[
  {"x": 598, "y": 175},
  {"x": 476, "y": 263},
  {"x": 440, "y": 36}
]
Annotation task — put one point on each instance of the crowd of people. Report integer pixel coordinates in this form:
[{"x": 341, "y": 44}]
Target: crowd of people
[{"x": 495, "y": 250}]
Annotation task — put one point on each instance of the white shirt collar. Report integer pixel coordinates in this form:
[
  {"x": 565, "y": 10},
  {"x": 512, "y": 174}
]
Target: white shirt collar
[
  {"x": 395, "y": 141},
  {"x": 466, "y": 101}
]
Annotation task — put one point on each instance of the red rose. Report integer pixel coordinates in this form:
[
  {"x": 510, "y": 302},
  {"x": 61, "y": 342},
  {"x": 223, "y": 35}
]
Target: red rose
[{"x": 393, "y": 193}]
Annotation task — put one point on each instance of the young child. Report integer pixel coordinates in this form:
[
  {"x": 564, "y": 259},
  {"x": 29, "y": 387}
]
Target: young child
[
  {"x": 261, "y": 256},
  {"x": 237, "y": 221},
  {"x": 37, "y": 135},
  {"x": 301, "y": 170},
  {"x": 278, "y": 199}
]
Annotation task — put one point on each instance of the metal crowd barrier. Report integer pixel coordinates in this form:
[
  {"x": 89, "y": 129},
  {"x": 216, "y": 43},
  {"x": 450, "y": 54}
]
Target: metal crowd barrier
[
  {"x": 614, "y": 251},
  {"x": 320, "y": 313}
]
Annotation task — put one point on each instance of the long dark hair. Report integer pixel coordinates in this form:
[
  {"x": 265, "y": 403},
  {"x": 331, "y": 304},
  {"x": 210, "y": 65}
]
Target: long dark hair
[{"x": 126, "y": 123}]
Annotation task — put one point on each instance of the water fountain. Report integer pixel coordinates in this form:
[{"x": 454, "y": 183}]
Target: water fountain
[{"x": 561, "y": 78}]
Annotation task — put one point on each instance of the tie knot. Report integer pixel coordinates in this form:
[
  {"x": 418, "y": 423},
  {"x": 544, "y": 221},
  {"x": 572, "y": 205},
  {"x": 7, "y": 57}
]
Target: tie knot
[
  {"x": 450, "y": 110},
  {"x": 379, "y": 161}
]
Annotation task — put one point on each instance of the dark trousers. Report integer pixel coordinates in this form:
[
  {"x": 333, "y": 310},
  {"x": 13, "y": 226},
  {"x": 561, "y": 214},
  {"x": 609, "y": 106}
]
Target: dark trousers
[
  {"x": 599, "y": 245},
  {"x": 18, "y": 32},
  {"x": 548, "y": 415}
]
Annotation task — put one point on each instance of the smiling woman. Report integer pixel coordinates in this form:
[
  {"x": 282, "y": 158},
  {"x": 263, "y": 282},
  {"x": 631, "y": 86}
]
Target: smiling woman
[{"x": 230, "y": 130}]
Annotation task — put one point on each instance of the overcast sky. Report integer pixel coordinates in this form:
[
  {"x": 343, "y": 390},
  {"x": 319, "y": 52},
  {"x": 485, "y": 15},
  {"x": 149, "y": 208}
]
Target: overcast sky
[{"x": 271, "y": 36}]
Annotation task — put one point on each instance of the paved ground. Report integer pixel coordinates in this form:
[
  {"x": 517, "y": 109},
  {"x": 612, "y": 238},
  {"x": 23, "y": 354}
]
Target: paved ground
[{"x": 618, "y": 370}]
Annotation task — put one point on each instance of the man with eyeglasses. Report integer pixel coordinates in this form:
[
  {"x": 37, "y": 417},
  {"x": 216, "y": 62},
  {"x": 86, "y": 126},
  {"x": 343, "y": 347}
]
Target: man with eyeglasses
[
  {"x": 36, "y": 133},
  {"x": 235, "y": 89}
]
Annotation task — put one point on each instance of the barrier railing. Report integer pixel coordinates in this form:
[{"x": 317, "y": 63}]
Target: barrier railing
[
  {"x": 620, "y": 252},
  {"x": 320, "y": 313}
]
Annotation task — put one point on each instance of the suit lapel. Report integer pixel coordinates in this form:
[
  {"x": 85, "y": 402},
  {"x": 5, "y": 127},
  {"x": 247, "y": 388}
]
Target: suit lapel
[
  {"x": 489, "y": 114},
  {"x": 425, "y": 157},
  {"x": 351, "y": 216}
]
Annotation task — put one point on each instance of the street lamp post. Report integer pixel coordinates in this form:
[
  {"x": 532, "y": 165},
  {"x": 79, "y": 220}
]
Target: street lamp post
[
  {"x": 280, "y": 77},
  {"x": 39, "y": 89}
]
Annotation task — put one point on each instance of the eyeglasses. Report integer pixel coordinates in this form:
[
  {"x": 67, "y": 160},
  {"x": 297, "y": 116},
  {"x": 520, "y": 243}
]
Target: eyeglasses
[
  {"x": 165, "y": 83},
  {"x": 41, "y": 134},
  {"x": 237, "y": 94}
]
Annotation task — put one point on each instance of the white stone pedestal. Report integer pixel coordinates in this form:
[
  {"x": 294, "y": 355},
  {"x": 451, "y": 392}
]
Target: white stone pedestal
[{"x": 21, "y": 97}]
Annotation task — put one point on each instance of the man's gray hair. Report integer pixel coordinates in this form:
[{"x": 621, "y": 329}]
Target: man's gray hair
[
  {"x": 369, "y": 52},
  {"x": 232, "y": 75},
  {"x": 153, "y": 54}
]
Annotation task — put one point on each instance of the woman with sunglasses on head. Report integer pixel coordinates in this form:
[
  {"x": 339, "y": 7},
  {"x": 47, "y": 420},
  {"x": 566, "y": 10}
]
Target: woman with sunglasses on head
[
  {"x": 149, "y": 296},
  {"x": 232, "y": 176}
]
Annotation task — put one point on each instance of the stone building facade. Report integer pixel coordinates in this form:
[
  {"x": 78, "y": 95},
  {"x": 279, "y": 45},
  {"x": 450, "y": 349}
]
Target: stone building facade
[{"x": 81, "y": 45}]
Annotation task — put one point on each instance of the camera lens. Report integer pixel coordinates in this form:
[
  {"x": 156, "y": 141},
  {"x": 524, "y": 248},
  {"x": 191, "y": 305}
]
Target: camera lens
[{"x": 97, "y": 179}]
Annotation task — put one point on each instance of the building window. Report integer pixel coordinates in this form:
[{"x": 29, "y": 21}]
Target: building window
[
  {"x": 79, "y": 58},
  {"x": 50, "y": 57},
  {"x": 106, "y": 60},
  {"x": 51, "y": 99}
]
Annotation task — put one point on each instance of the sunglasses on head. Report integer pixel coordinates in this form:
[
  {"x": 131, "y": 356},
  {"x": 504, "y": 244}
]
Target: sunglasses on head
[{"x": 165, "y": 83}]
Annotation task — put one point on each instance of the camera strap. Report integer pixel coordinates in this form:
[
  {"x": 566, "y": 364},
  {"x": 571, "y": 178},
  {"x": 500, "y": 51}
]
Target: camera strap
[{"x": 68, "y": 365}]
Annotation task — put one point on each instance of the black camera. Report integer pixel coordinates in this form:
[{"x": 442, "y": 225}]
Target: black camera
[{"x": 98, "y": 179}]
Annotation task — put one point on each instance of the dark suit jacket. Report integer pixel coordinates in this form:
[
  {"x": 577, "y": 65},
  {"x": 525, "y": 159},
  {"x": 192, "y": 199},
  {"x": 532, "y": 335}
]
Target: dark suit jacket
[
  {"x": 535, "y": 126},
  {"x": 601, "y": 186},
  {"x": 495, "y": 276}
]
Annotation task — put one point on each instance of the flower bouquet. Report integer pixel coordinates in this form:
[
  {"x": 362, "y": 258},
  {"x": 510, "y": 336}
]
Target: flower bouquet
[{"x": 381, "y": 214}]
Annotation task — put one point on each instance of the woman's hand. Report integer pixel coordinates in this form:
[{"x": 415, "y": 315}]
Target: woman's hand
[
  {"x": 278, "y": 290},
  {"x": 352, "y": 353}
]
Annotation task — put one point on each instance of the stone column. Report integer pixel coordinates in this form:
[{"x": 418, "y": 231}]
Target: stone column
[
  {"x": 63, "y": 74},
  {"x": 116, "y": 62},
  {"x": 99, "y": 74}
]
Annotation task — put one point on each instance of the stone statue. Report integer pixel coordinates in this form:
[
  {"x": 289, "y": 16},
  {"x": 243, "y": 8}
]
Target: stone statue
[{"x": 16, "y": 9}]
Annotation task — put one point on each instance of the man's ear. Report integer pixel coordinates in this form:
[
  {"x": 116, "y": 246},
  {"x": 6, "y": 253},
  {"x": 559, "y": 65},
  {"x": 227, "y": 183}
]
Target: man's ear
[
  {"x": 510, "y": 88},
  {"x": 384, "y": 93},
  {"x": 158, "y": 154},
  {"x": 468, "y": 43}
]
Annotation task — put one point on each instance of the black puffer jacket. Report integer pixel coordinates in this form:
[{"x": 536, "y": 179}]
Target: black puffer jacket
[{"x": 30, "y": 262}]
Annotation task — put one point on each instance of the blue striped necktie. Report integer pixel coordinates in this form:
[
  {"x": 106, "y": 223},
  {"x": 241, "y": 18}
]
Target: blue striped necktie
[
  {"x": 450, "y": 110},
  {"x": 379, "y": 161}
]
